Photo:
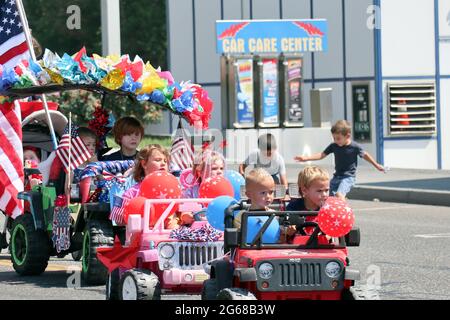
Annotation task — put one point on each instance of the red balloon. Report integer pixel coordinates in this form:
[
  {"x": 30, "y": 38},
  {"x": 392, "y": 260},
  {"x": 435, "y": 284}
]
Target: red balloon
[
  {"x": 160, "y": 185},
  {"x": 134, "y": 206},
  {"x": 216, "y": 187},
  {"x": 335, "y": 218}
]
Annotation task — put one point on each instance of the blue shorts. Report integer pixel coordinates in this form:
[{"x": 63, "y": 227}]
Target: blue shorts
[{"x": 341, "y": 184}]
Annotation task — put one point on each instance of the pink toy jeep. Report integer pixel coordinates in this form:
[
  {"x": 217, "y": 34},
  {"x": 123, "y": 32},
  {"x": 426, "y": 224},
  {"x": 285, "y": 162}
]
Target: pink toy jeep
[{"x": 151, "y": 261}]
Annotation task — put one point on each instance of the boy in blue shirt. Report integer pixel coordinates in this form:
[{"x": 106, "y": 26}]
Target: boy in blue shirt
[{"x": 346, "y": 154}]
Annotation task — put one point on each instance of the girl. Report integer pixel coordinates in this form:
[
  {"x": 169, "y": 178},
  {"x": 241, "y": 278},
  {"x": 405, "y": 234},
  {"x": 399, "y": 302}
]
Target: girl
[{"x": 208, "y": 164}]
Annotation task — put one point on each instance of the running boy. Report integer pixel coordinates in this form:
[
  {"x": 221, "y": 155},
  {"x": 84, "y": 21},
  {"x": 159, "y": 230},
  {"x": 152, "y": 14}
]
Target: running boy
[
  {"x": 346, "y": 154},
  {"x": 267, "y": 157},
  {"x": 128, "y": 133}
]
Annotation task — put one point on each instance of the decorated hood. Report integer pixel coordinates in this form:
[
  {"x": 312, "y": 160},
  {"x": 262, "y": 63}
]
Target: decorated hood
[{"x": 112, "y": 74}]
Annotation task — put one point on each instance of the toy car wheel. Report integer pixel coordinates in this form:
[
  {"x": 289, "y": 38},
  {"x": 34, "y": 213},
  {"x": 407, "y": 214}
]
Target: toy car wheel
[
  {"x": 360, "y": 293},
  {"x": 209, "y": 290},
  {"x": 30, "y": 248},
  {"x": 138, "y": 284},
  {"x": 112, "y": 285},
  {"x": 235, "y": 294},
  {"x": 97, "y": 234}
]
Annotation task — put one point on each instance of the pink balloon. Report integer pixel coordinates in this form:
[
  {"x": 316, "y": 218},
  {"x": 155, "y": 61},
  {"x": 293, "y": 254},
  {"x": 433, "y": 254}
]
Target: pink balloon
[{"x": 335, "y": 218}]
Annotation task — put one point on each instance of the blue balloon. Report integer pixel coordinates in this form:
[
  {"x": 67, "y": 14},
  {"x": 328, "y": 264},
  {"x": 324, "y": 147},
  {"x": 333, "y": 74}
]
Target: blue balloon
[
  {"x": 236, "y": 180},
  {"x": 272, "y": 233},
  {"x": 215, "y": 213}
]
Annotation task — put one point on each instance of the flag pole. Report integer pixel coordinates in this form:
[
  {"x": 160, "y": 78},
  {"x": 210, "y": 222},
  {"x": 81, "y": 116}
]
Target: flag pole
[
  {"x": 27, "y": 32},
  {"x": 69, "y": 180}
]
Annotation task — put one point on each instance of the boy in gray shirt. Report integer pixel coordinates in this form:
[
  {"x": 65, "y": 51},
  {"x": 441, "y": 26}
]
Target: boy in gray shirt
[
  {"x": 268, "y": 158},
  {"x": 346, "y": 154}
]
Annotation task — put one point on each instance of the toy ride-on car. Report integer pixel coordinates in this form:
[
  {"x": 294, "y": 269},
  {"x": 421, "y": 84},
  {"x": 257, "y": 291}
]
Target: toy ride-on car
[
  {"x": 308, "y": 266},
  {"x": 156, "y": 259}
]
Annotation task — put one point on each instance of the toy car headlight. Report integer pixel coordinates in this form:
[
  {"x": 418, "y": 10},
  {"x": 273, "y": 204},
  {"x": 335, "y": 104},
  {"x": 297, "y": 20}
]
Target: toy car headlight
[
  {"x": 167, "y": 251},
  {"x": 265, "y": 270},
  {"x": 333, "y": 269}
]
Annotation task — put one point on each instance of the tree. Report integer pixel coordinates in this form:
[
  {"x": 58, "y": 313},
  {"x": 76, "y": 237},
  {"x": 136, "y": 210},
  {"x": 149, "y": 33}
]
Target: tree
[{"x": 48, "y": 20}]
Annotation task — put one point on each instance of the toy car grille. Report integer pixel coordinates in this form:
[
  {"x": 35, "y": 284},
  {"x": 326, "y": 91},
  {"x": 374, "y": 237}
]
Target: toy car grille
[
  {"x": 189, "y": 255},
  {"x": 300, "y": 274},
  {"x": 192, "y": 255}
]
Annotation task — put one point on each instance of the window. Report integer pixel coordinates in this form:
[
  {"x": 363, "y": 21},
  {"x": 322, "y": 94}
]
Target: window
[{"x": 411, "y": 109}]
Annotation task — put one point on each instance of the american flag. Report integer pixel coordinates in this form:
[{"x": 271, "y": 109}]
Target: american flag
[
  {"x": 181, "y": 153},
  {"x": 11, "y": 159},
  {"x": 120, "y": 202},
  {"x": 61, "y": 228},
  {"x": 78, "y": 151},
  {"x": 13, "y": 44}
]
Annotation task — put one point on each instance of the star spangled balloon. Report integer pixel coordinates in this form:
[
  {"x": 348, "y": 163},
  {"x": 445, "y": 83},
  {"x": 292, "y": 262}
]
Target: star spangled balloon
[{"x": 335, "y": 218}]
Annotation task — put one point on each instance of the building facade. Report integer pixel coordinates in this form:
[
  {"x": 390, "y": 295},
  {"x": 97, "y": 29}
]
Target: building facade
[{"x": 397, "y": 51}]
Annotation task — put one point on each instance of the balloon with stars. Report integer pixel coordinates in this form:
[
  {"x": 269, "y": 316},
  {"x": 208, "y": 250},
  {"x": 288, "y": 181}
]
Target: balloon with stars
[
  {"x": 160, "y": 185},
  {"x": 215, "y": 187},
  {"x": 335, "y": 218},
  {"x": 236, "y": 180}
]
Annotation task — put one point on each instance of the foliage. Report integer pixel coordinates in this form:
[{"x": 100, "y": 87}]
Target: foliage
[
  {"x": 83, "y": 103},
  {"x": 143, "y": 33}
]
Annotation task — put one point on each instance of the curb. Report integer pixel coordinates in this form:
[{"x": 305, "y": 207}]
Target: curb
[{"x": 415, "y": 196}]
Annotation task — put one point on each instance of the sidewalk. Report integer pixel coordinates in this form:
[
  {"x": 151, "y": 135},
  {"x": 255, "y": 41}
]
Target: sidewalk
[{"x": 428, "y": 187}]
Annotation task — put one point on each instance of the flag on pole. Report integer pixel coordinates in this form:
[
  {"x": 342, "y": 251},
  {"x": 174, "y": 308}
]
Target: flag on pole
[
  {"x": 181, "y": 153},
  {"x": 11, "y": 159},
  {"x": 78, "y": 151},
  {"x": 13, "y": 43}
]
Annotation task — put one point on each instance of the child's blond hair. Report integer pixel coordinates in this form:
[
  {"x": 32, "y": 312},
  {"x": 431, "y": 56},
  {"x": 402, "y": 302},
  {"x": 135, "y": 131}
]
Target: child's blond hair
[
  {"x": 310, "y": 174},
  {"x": 203, "y": 162},
  {"x": 256, "y": 176},
  {"x": 341, "y": 127}
]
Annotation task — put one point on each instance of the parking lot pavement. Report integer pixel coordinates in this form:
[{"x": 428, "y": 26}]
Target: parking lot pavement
[{"x": 404, "y": 248}]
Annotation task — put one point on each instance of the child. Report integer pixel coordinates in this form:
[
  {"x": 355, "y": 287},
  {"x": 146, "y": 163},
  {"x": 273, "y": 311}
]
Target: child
[
  {"x": 208, "y": 164},
  {"x": 260, "y": 189},
  {"x": 149, "y": 159},
  {"x": 267, "y": 157},
  {"x": 31, "y": 159},
  {"x": 314, "y": 186},
  {"x": 31, "y": 154},
  {"x": 346, "y": 154},
  {"x": 128, "y": 133}
]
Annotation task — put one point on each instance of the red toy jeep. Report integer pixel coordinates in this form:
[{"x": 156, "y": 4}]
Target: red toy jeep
[{"x": 309, "y": 266}]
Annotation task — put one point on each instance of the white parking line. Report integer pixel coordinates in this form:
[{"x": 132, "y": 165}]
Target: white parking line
[{"x": 433, "y": 236}]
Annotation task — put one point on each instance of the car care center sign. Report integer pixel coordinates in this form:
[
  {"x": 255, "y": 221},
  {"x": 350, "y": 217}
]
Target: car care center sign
[{"x": 271, "y": 36}]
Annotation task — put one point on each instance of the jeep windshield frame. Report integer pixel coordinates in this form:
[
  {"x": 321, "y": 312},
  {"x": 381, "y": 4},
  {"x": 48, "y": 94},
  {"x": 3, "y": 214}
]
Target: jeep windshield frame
[{"x": 285, "y": 218}]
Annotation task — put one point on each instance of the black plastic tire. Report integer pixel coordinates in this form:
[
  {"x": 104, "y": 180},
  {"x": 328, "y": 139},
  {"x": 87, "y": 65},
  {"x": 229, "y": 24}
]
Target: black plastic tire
[
  {"x": 210, "y": 290},
  {"x": 139, "y": 284},
  {"x": 30, "y": 248},
  {"x": 112, "y": 285},
  {"x": 235, "y": 294},
  {"x": 97, "y": 234}
]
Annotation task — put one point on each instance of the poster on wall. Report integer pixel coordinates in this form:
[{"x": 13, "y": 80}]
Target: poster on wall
[
  {"x": 294, "y": 75},
  {"x": 361, "y": 112},
  {"x": 244, "y": 91},
  {"x": 270, "y": 107}
]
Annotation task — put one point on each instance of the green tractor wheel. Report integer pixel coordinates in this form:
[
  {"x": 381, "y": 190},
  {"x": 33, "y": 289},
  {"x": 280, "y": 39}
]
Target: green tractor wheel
[
  {"x": 30, "y": 248},
  {"x": 97, "y": 234}
]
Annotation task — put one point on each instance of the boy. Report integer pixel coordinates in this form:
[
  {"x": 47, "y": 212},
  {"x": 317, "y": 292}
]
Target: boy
[
  {"x": 260, "y": 189},
  {"x": 128, "y": 133},
  {"x": 267, "y": 157},
  {"x": 346, "y": 154}
]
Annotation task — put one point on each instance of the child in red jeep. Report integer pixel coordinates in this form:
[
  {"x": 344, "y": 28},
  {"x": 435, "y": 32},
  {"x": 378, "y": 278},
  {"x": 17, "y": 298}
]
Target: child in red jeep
[
  {"x": 314, "y": 186},
  {"x": 260, "y": 189}
]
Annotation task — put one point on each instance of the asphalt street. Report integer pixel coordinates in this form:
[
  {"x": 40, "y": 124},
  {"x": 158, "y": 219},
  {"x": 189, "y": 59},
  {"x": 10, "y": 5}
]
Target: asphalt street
[{"x": 405, "y": 250}]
